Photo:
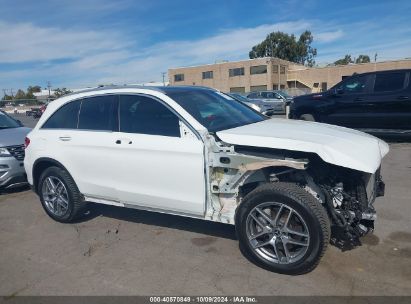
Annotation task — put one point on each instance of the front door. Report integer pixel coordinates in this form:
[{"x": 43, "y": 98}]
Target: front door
[
  {"x": 157, "y": 167},
  {"x": 351, "y": 104}
]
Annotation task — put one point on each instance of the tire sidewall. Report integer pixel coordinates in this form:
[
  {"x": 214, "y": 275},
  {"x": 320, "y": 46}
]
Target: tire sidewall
[
  {"x": 57, "y": 172},
  {"x": 313, "y": 225}
]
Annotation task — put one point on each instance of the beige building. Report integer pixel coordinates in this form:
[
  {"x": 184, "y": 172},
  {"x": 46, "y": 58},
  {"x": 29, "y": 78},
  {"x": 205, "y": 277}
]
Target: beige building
[{"x": 272, "y": 74}]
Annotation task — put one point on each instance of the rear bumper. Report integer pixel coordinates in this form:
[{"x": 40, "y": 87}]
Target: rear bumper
[{"x": 12, "y": 173}]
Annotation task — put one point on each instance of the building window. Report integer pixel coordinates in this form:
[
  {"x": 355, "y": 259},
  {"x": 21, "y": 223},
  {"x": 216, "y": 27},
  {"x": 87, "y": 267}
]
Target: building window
[
  {"x": 275, "y": 86},
  {"x": 258, "y": 88},
  {"x": 179, "y": 77},
  {"x": 237, "y": 90},
  {"x": 275, "y": 69},
  {"x": 258, "y": 69},
  {"x": 323, "y": 86},
  {"x": 208, "y": 75},
  {"x": 236, "y": 72},
  {"x": 282, "y": 87},
  {"x": 282, "y": 69},
  {"x": 316, "y": 84}
]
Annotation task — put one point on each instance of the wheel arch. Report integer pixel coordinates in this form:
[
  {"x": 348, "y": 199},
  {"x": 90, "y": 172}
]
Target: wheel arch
[{"x": 42, "y": 164}]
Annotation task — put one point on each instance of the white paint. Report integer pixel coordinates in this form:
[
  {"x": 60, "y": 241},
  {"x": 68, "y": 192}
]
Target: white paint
[{"x": 335, "y": 145}]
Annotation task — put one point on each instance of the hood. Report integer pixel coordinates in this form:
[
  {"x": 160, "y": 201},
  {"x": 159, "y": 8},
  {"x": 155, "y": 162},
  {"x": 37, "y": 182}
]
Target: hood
[
  {"x": 13, "y": 136},
  {"x": 335, "y": 145}
]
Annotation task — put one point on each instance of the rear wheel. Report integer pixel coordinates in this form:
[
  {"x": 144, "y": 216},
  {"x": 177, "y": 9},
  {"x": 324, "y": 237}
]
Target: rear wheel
[
  {"x": 307, "y": 117},
  {"x": 283, "y": 228},
  {"x": 59, "y": 195}
]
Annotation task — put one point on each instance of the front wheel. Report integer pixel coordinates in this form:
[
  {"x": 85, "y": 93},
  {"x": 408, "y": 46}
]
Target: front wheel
[{"x": 282, "y": 228}]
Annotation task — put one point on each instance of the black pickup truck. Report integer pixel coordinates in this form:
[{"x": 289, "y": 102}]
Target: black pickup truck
[{"x": 376, "y": 102}]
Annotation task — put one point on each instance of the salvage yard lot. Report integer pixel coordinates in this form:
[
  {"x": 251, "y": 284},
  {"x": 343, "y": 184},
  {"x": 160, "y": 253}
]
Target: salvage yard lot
[{"x": 117, "y": 251}]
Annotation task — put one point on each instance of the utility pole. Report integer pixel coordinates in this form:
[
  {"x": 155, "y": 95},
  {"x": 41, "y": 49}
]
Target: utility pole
[
  {"x": 375, "y": 57},
  {"x": 164, "y": 76},
  {"x": 49, "y": 86}
]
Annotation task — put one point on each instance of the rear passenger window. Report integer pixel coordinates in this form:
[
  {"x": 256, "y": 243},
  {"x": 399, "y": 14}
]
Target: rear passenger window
[
  {"x": 99, "y": 113},
  {"x": 385, "y": 82},
  {"x": 145, "y": 115},
  {"x": 64, "y": 118}
]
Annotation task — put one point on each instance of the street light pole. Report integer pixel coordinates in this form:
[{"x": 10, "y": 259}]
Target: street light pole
[{"x": 164, "y": 76}]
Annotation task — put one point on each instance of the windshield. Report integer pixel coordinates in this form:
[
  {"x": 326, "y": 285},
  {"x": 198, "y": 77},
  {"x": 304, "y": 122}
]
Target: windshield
[
  {"x": 284, "y": 94},
  {"x": 239, "y": 97},
  {"x": 214, "y": 110},
  {"x": 7, "y": 122}
]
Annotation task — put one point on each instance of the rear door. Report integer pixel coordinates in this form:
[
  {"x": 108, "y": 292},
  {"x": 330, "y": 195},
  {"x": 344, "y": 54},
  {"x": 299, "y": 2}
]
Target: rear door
[
  {"x": 391, "y": 101},
  {"x": 80, "y": 136}
]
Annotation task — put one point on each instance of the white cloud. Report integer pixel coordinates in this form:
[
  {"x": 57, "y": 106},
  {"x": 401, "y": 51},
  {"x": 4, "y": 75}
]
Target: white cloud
[
  {"x": 24, "y": 42},
  {"x": 104, "y": 57},
  {"x": 328, "y": 36}
]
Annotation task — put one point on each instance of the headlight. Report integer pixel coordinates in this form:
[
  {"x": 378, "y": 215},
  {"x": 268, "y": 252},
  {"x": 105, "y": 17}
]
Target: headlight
[{"x": 4, "y": 152}]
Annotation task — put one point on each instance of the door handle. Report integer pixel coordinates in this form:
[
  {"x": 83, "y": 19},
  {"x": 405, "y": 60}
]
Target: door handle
[
  {"x": 402, "y": 97},
  {"x": 119, "y": 141},
  {"x": 65, "y": 138}
]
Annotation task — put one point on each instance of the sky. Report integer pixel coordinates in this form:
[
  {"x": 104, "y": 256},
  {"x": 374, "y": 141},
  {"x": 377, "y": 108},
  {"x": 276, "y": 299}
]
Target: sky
[{"x": 81, "y": 43}]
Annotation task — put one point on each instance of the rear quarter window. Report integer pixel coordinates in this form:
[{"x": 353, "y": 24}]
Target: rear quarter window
[{"x": 66, "y": 117}]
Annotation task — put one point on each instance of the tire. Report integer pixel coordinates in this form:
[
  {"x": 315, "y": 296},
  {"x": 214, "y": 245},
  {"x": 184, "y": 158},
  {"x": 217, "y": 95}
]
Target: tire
[
  {"x": 306, "y": 216},
  {"x": 307, "y": 117},
  {"x": 73, "y": 198}
]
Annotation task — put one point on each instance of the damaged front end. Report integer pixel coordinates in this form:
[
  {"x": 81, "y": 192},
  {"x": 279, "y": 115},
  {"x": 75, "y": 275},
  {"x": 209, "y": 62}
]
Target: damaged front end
[
  {"x": 349, "y": 202},
  {"x": 346, "y": 194}
]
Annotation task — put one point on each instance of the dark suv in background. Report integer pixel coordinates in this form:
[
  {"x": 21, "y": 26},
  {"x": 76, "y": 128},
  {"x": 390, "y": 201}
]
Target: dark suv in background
[{"x": 376, "y": 102}]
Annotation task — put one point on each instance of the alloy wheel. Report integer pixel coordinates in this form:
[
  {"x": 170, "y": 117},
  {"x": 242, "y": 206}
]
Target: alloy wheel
[
  {"x": 55, "y": 196},
  {"x": 277, "y": 233}
]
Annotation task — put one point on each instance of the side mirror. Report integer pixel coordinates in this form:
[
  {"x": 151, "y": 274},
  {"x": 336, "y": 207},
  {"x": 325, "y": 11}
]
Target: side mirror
[{"x": 339, "y": 91}]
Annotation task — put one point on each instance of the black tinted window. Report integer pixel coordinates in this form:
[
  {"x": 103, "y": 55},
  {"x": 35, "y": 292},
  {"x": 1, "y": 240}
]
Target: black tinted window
[
  {"x": 99, "y": 113},
  {"x": 389, "y": 82},
  {"x": 64, "y": 118},
  {"x": 145, "y": 115}
]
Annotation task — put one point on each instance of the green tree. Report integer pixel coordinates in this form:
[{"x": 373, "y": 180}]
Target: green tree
[
  {"x": 7, "y": 97},
  {"x": 61, "y": 92},
  {"x": 363, "y": 59},
  {"x": 31, "y": 90},
  {"x": 20, "y": 94},
  {"x": 284, "y": 46},
  {"x": 344, "y": 61}
]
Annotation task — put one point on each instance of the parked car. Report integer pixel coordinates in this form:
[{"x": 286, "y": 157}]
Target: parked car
[
  {"x": 253, "y": 103},
  {"x": 192, "y": 151},
  {"x": 376, "y": 102},
  {"x": 12, "y": 134},
  {"x": 270, "y": 99}
]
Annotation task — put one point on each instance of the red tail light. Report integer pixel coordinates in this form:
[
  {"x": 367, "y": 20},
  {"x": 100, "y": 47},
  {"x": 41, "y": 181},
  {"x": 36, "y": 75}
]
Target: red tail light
[{"x": 26, "y": 142}]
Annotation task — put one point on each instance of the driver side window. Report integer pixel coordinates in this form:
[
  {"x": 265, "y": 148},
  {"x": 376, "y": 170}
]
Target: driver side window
[{"x": 355, "y": 85}]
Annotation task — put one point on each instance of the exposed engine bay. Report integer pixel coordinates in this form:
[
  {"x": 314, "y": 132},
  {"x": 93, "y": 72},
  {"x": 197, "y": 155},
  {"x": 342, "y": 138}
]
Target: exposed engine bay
[{"x": 346, "y": 194}]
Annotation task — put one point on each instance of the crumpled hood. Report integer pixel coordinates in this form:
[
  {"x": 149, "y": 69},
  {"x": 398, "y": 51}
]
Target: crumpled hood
[
  {"x": 13, "y": 136},
  {"x": 335, "y": 145}
]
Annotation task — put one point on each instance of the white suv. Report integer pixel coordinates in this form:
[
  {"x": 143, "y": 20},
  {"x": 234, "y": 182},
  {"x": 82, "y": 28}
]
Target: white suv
[{"x": 290, "y": 187}]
